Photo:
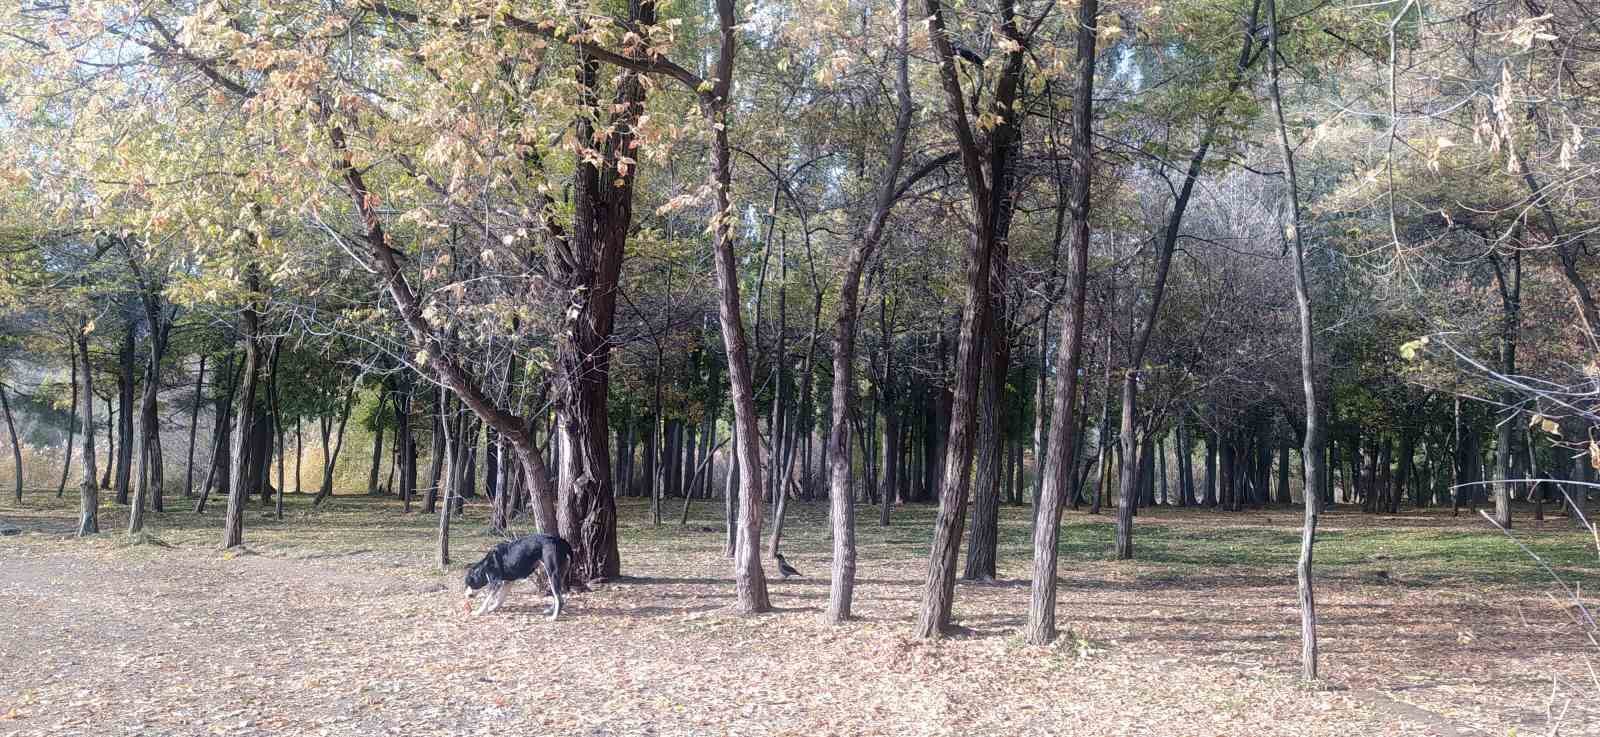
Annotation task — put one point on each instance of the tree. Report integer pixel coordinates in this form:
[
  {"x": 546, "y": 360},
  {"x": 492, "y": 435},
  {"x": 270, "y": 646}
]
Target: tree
[
  {"x": 1060, "y": 446},
  {"x": 987, "y": 178},
  {"x": 844, "y": 336},
  {"x": 1311, "y": 451}
]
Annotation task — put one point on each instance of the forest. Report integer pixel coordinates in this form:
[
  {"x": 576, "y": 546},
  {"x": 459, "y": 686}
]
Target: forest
[{"x": 1052, "y": 338}]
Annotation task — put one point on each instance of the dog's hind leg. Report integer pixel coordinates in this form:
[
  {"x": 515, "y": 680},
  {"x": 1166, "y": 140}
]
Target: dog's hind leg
[
  {"x": 555, "y": 590},
  {"x": 555, "y": 570}
]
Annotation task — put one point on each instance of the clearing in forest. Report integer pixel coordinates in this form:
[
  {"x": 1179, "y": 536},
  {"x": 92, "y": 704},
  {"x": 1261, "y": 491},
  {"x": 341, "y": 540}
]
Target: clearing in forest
[{"x": 334, "y": 622}]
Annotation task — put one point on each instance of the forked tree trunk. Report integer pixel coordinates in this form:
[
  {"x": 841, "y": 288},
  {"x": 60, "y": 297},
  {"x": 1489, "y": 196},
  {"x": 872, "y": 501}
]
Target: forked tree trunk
[{"x": 988, "y": 181}]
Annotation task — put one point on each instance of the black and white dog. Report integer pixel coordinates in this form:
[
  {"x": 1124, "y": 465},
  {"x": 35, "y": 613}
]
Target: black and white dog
[{"x": 515, "y": 560}]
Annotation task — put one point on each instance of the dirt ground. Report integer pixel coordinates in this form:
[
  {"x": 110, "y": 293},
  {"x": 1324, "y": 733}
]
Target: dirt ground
[{"x": 335, "y": 623}]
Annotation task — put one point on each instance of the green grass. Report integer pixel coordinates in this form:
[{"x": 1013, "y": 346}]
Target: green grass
[{"x": 1428, "y": 548}]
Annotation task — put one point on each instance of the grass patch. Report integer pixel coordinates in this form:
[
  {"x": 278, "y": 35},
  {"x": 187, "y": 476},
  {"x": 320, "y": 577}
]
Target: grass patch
[{"x": 1171, "y": 545}]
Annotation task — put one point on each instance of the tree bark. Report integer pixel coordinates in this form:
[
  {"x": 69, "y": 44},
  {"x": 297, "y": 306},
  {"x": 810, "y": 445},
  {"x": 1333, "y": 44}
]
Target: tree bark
[
  {"x": 194, "y": 424},
  {"x": 442, "y": 553},
  {"x": 72, "y": 427},
  {"x": 842, "y": 500},
  {"x": 730, "y": 501},
  {"x": 89, "y": 491},
  {"x": 239, "y": 488},
  {"x": 1312, "y": 450},
  {"x": 1284, "y": 495},
  {"x": 750, "y": 581},
  {"x": 125, "y": 387},
  {"x": 1510, "y": 286},
  {"x": 984, "y": 539},
  {"x": 1060, "y": 445},
  {"x": 988, "y": 181},
  {"x": 377, "y": 439},
  {"x": 16, "y": 447}
]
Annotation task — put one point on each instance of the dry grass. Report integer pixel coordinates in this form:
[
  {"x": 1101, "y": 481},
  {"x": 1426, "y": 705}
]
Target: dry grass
[{"x": 335, "y": 623}]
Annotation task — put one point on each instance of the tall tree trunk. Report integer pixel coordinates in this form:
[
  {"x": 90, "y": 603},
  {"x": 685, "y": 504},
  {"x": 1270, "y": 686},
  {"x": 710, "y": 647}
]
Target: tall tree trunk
[
  {"x": 377, "y": 439},
  {"x": 1182, "y": 454},
  {"x": 299, "y": 452},
  {"x": 261, "y": 456},
  {"x": 1041, "y": 419},
  {"x": 405, "y": 444},
  {"x": 988, "y": 178},
  {"x": 750, "y": 581},
  {"x": 125, "y": 387},
  {"x": 983, "y": 541},
  {"x": 1059, "y": 446},
  {"x": 276, "y": 427},
  {"x": 72, "y": 428},
  {"x": 730, "y": 501},
  {"x": 221, "y": 464},
  {"x": 1284, "y": 495},
  {"x": 1508, "y": 278},
  {"x": 442, "y": 553},
  {"x": 1405, "y": 469},
  {"x": 149, "y": 450},
  {"x": 1212, "y": 447},
  {"x": 430, "y": 500},
  {"x": 240, "y": 488},
  {"x": 194, "y": 424},
  {"x": 1147, "y": 471},
  {"x": 1312, "y": 450},
  {"x": 1161, "y": 471},
  {"x": 111, "y": 444},
  {"x": 89, "y": 492},
  {"x": 16, "y": 447}
]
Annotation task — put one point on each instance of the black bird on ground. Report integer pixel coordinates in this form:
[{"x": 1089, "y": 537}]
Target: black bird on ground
[{"x": 786, "y": 570}]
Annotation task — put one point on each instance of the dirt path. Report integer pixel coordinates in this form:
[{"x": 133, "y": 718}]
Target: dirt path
[{"x": 114, "y": 641}]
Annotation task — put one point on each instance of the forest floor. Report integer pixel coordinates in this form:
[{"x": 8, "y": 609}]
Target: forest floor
[{"x": 335, "y": 622}]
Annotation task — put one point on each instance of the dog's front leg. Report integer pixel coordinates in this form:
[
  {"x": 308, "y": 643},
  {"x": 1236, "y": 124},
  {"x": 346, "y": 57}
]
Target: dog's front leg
[
  {"x": 499, "y": 596},
  {"x": 488, "y": 600}
]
